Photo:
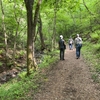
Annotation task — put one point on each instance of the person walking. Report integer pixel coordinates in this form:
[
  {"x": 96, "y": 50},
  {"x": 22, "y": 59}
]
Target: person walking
[
  {"x": 78, "y": 45},
  {"x": 62, "y": 47},
  {"x": 70, "y": 42}
]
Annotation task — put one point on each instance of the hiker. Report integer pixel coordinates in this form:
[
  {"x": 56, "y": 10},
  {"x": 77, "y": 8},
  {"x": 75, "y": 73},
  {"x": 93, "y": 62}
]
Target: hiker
[
  {"x": 78, "y": 45},
  {"x": 62, "y": 47},
  {"x": 70, "y": 42}
]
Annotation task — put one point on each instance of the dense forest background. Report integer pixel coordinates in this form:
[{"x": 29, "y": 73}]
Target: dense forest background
[
  {"x": 30, "y": 31},
  {"x": 33, "y": 27}
]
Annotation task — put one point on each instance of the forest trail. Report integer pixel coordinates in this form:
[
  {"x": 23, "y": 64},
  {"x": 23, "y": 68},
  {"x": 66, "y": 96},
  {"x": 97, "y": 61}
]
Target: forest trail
[{"x": 69, "y": 80}]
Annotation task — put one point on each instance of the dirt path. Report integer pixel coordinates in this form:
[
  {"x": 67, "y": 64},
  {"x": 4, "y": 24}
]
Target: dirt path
[{"x": 69, "y": 80}]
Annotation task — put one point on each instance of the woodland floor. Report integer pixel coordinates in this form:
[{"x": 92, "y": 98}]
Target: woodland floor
[{"x": 68, "y": 80}]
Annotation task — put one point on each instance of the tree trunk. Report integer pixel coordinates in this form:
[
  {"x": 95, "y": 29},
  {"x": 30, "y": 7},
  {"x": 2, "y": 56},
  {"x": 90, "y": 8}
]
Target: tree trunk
[
  {"x": 4, "y": 30},
  {"x": 16, "y": 34},
  {"x": 36, "y": 15},
  {"x": 54, "y": 29},
  {"x": 41, "y": 34},
  {"x": 29, "y": 7}
]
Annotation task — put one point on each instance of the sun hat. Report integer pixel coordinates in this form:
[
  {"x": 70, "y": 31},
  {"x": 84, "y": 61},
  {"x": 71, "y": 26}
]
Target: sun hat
[
  {"x": 61, "y": 36},
  {"x": 77, "y": 35}
]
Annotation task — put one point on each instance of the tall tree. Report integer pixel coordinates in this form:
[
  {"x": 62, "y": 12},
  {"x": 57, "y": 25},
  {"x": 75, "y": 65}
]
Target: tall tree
[
  {"x": 54, "y": 25},
  {"x": 4, "y": 30},
  {"x": 36, "y": 15},
  {"x": 31, "y": 29},
  {"x": 29, "y": 8},
  {"x": 40, "y": 33},
  {"x": 18, "y": 21}
]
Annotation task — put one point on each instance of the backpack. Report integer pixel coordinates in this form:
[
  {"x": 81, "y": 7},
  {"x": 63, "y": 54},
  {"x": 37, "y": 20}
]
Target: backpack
[{"x": 71, "y": 42}]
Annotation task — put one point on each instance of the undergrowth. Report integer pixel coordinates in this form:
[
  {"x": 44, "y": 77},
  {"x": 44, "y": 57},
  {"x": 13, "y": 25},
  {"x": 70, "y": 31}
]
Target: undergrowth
[
  {"x": 92, "y": 56},
  {"x": 15, "y": 89},
  {"x": 23, "y": 87}
]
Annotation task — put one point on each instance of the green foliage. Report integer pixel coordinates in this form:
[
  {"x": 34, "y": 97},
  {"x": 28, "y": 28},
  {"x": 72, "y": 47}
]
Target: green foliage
[
  {"x": 97, "y": 68},
  {"x": 1, "y": 63},
  {"x": 48, "y": 59},
  {"x": 72, "y": 17},
  {"x": 21, "y": 87},
  {"x": 15, "y": 22},
  {"x": 95, "y": 77},
  {"x": 94, "y": 36},
  {"x": 97, "y": 47},
  {"x": 22, "y": 52},
  {"x": 22, "y": 75},
  {"x": 15, "y": 90},
  {"x": 2, "y": 45},
  {"x": 1, "y": 51},
  {"x": 92, "y": 57}
]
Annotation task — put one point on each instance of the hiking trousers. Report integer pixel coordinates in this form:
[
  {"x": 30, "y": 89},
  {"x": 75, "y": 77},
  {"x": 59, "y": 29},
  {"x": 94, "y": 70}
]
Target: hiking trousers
[
  {"x": 62, "y": 53},
  {"x": 78, "y": 49},
  {"x": 70, "y": 46}
]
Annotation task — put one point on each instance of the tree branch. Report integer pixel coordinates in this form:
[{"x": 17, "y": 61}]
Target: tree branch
[{"x": 87, "y": 7}]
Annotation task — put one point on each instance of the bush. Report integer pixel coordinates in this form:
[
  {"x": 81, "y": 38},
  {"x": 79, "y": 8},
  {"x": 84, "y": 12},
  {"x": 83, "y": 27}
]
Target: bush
[
  {"x": 94, "y": 37},
  {"x": 97, "y": 47}
]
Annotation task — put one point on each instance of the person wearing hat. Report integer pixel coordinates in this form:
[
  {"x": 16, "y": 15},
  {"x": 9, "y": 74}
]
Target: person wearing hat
[
  {"x": 78, "y": 45},
  {"x": 62, "y": 47}
]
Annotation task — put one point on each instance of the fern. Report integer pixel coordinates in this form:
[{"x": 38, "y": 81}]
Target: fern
[
  {"x": 97, "y": 47},
  {"x": 94, "y": 37}
]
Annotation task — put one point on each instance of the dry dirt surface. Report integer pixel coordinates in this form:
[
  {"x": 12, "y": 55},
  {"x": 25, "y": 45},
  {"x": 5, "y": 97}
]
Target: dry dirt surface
[{"x": 69, "y": 80}]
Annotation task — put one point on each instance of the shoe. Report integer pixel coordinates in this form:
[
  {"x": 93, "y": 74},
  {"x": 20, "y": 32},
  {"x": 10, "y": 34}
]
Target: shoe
[{"x": 77, "y": 57}]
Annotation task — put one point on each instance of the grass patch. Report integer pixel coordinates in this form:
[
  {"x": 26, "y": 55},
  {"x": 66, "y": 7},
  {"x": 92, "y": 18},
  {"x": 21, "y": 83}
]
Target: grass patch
[
  {"x": 14, "y": 90},
  {"x": 92, "y": 58},
  {"x": 23, "y": 87},
  {"x": 95, "y": 77},
  {"x": 49, "y": 59}
]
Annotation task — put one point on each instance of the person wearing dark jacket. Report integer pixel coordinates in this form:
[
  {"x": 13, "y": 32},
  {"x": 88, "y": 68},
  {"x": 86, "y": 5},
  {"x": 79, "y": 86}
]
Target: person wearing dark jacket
[{"x": 62, "y": 47}]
